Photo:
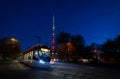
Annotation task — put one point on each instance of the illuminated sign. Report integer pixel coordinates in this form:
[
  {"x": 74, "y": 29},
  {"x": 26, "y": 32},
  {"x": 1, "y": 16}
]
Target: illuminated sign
[{"x": 45, "y": 50}]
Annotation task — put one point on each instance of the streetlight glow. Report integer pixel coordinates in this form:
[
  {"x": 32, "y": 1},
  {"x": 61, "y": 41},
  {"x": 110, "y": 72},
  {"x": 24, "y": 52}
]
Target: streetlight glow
[{"x": 13, "y": 39}]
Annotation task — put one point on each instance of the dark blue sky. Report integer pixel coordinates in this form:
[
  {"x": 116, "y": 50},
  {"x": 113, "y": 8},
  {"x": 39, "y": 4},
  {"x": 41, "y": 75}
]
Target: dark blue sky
[{"x": 95, "y": 20}]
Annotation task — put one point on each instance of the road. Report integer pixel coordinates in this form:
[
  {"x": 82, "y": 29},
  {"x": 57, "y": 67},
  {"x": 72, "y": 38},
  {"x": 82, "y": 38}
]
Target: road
[{"x": 59, "y": 71}]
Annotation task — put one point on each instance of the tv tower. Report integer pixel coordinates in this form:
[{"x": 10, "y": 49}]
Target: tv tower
[{"x": 53, "y": 36}]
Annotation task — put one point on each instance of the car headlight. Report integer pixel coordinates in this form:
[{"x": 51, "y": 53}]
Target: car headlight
[{"x": 41, "y": 61}]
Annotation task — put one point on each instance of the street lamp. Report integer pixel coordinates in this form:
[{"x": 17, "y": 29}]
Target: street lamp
[
  {"x": 13, "y": 40},
  {"x": 68, "y": 50}
]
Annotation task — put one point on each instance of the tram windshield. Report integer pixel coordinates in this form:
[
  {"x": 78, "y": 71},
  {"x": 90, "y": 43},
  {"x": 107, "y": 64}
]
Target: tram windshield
[{"x": 45, "y": 52}]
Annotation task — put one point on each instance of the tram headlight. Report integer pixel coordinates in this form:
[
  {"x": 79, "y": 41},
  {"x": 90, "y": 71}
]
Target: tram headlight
[{"x": 41, "y": 61}]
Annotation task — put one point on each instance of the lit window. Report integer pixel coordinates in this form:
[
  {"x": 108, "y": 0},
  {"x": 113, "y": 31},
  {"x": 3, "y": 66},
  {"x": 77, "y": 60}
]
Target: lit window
[
  {"x": 40, "y": 53},
  {"x": 36, "y": 53},
  {"x": 45, "y": 50}
]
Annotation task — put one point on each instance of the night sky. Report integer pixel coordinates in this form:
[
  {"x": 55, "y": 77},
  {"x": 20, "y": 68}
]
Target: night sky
[{"x": 95, "y": 20}]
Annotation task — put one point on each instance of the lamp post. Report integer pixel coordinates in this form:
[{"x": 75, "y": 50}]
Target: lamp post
[
  {"x": 15, "y": 48},
  {"x": 68, "y": 50},
  {"x": 13, "y": 41}
]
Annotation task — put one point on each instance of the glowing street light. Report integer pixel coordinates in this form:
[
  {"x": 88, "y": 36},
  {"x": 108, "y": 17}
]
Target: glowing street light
[
  {"x": 13, "y": 40},
  {"x": 69, "y": 45}
]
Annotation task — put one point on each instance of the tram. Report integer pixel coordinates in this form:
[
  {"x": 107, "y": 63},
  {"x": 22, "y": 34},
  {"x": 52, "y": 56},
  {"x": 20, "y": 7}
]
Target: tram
[{"x": 37, "y": 56}]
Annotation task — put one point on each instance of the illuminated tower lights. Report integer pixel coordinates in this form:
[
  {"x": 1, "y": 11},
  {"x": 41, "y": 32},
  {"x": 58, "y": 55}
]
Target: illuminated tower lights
[
  {"x": 53, "y": 36},
  {"x": 54, "y": 55}
]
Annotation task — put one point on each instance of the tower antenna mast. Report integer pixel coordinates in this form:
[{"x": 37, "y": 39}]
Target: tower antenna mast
[{"x": 53, "y": 35}]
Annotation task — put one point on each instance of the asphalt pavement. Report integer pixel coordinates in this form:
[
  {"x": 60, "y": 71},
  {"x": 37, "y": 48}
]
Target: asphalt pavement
[{"x": 17, "y": 70}]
